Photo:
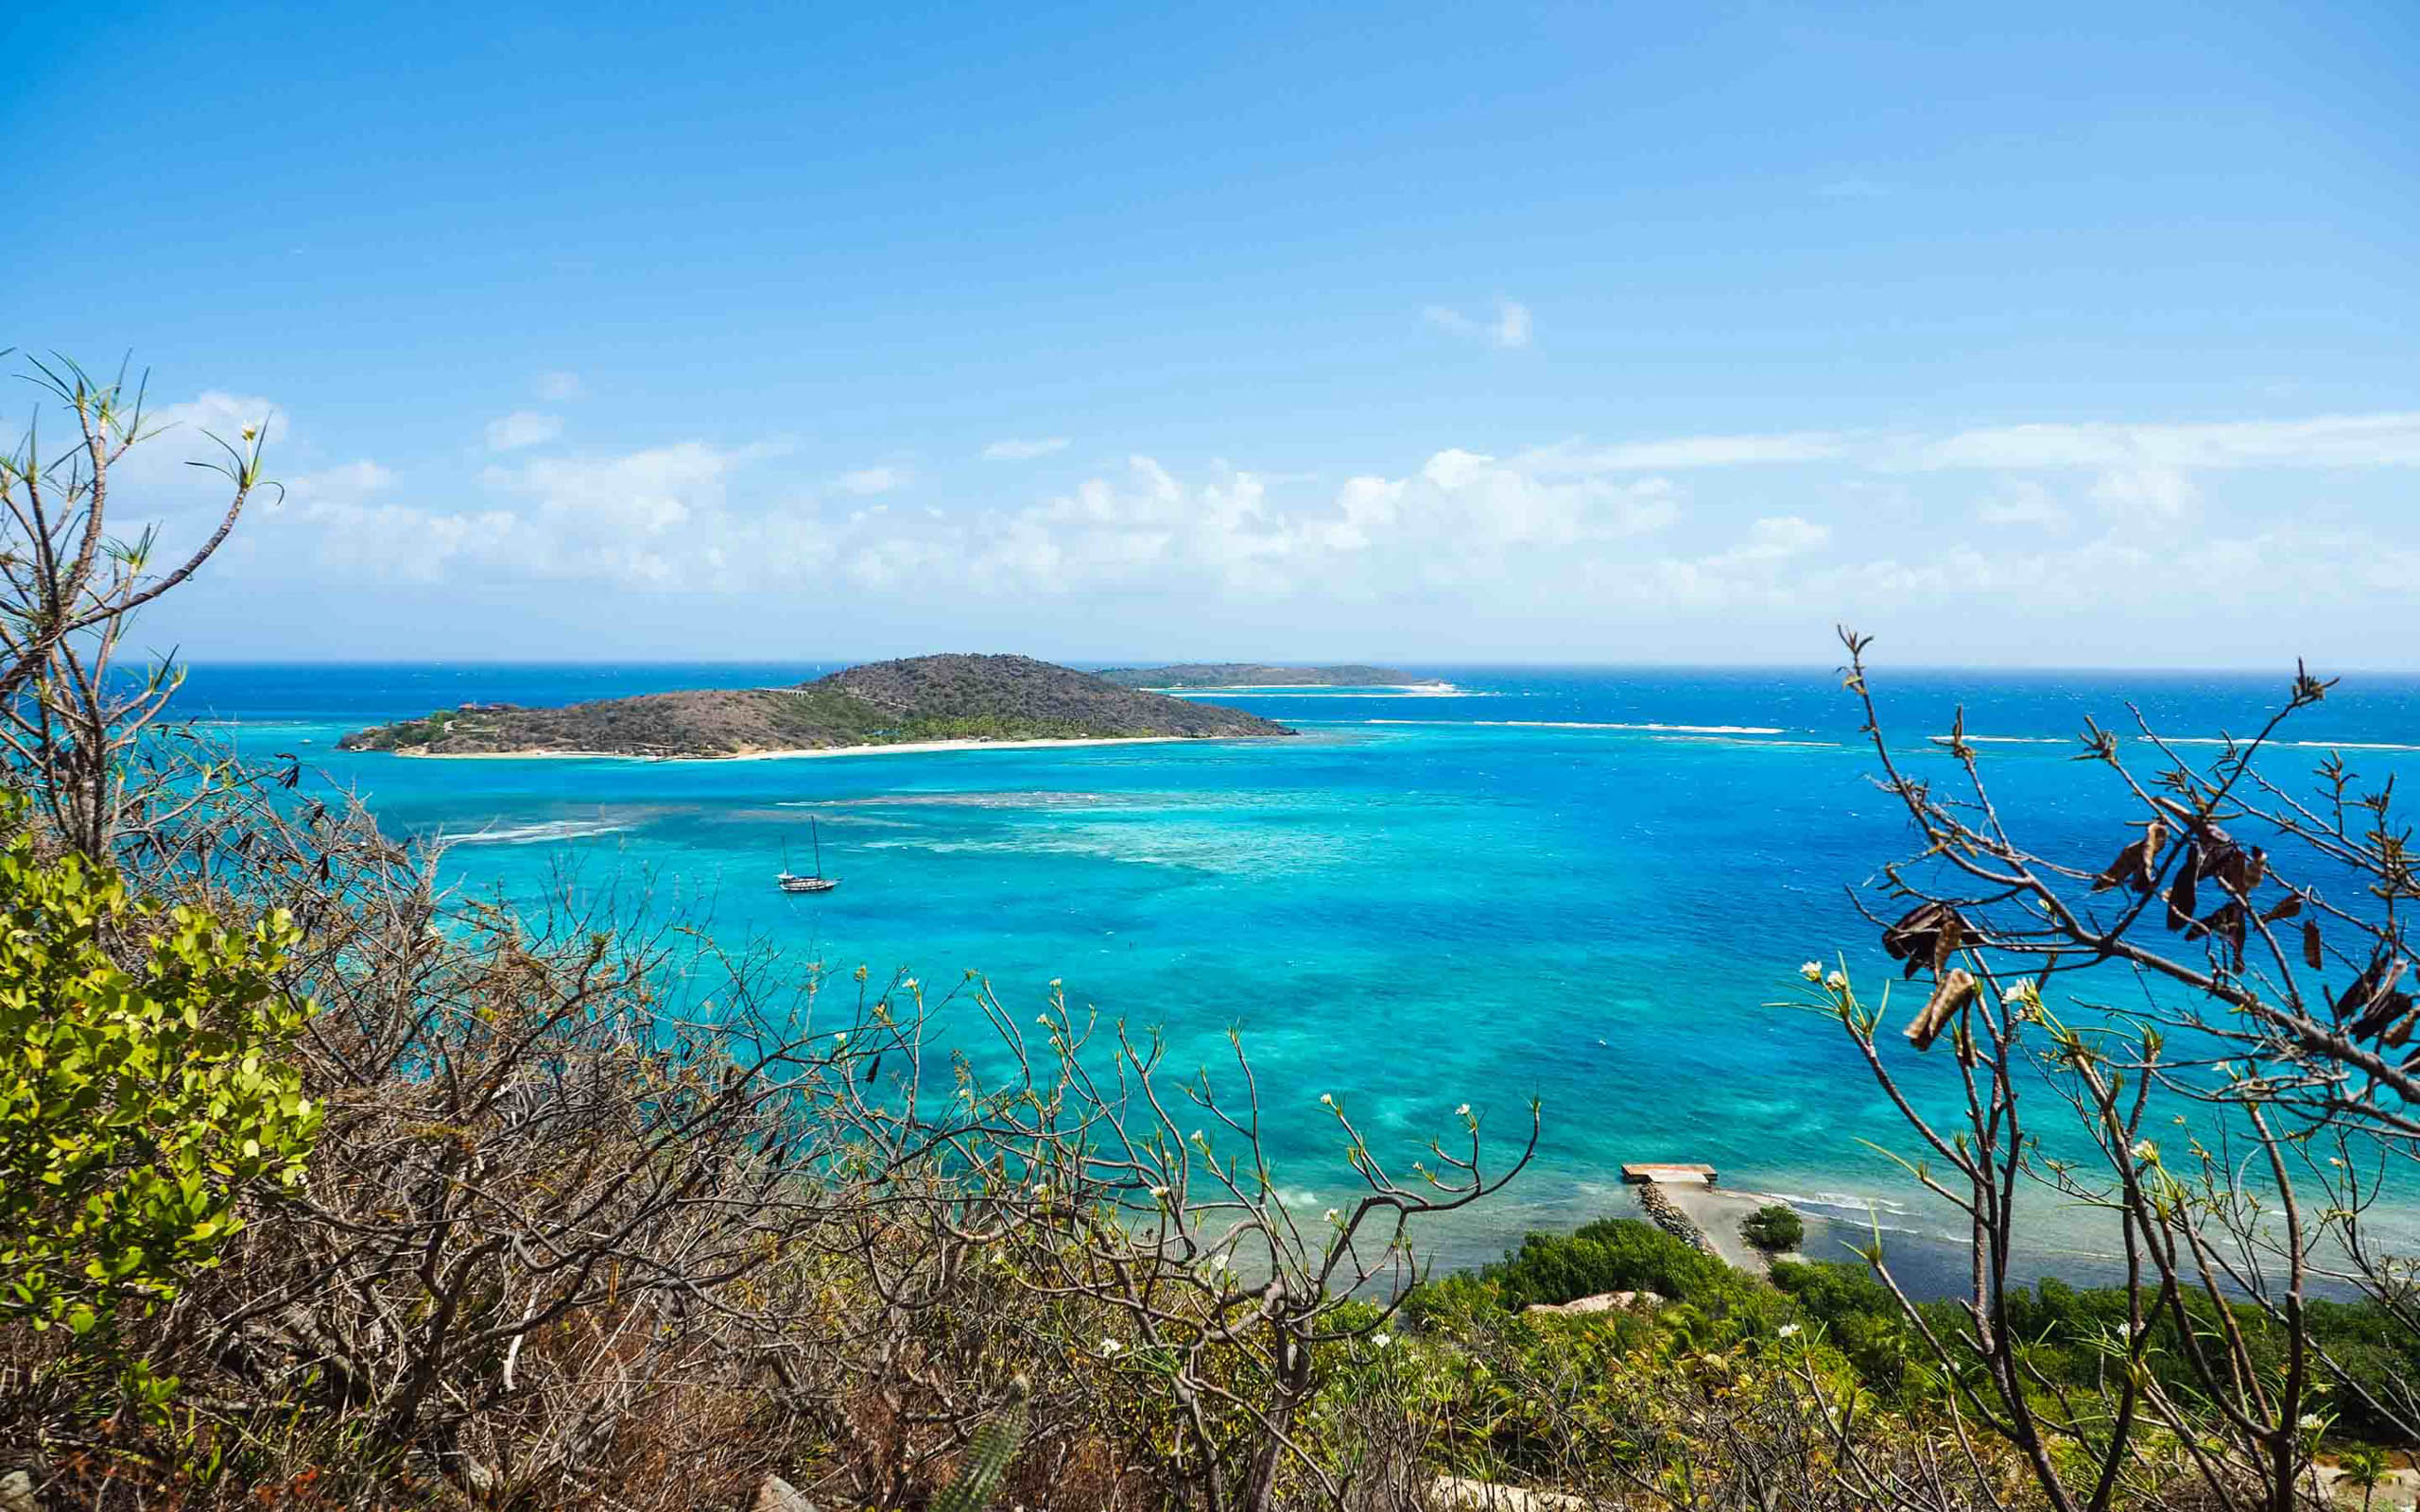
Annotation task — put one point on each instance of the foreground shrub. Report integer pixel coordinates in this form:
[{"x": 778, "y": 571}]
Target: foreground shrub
[{"x": 138, "y": 1105}]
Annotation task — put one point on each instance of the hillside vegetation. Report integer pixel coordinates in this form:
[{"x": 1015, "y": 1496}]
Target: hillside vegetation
[
  {"x": 1256, "y": 675},
  {"x": 921, "y": 698}
]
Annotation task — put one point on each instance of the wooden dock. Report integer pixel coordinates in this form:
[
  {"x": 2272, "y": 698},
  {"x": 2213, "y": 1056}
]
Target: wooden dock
[{"x": 1656, "y": 1173}]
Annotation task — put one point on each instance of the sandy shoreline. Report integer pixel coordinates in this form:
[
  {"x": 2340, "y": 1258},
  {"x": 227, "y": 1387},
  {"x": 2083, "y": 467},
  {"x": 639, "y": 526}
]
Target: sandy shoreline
[
  {"x": 905, "y": 747},
  {"x": 1719, "y": 1211}
]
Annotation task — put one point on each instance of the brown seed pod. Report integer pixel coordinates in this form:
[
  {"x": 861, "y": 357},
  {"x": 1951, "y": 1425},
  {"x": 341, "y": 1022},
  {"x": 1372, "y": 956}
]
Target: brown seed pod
[
  {"x": 1926, "y": 934},
  {"x": 1955, "y": 991}
]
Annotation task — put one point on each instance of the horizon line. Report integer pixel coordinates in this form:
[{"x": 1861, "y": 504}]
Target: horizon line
[{"x": 1084, "y": 663}]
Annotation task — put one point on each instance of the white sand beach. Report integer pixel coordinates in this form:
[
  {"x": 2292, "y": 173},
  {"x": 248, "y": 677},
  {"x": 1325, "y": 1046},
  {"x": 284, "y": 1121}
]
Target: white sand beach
[
  {"x": 906, "y": 747},
  {"x": 1719, "y": 1210}
]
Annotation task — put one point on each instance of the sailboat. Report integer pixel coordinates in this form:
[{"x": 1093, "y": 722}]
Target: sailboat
[{"x": 790, "y": 881}]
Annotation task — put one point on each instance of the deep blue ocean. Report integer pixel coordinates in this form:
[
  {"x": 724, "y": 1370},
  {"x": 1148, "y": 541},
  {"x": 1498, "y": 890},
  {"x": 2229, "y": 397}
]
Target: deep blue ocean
[{"x": 1587, "y": 885}]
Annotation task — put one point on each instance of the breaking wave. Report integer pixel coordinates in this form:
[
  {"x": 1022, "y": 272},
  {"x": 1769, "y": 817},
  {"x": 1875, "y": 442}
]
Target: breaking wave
[
  {"x": 1030, "y": 799},
  {"x": 1588, "y": 724},
  {"x": 1847, "y": 1201},
  {"x": 2289, "y": 745},
  {"x": 545, "y": 833}
]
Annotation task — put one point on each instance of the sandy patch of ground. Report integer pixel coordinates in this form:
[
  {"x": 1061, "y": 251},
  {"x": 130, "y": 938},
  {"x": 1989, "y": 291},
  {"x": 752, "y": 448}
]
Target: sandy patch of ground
[{"x": 1718, "y": 1210}]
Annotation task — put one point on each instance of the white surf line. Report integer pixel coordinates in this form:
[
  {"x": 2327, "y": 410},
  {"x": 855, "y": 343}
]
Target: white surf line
[{"x": 1587, "y": 723}]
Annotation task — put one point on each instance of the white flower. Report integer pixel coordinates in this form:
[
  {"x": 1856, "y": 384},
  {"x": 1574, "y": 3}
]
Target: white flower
[
  {"x": 1161, "y": 1192},
  {"x": 1812, "y": 970},
  {"x": 1836, "y": 981},
  {"x": 1463, "y": 1111},
  {"x": 840, "y": 1038},
  {"x": 1788, "y": 1330},
  {"x": 1110, "y": 1347},
  {"x": 1381, "y": 1340},
  {"x": 2336, "y": 1159},
  {"x": 1331, "y": 1215},
  {"x": 2145, "y": 1150},
  {"x": 2309, "y": 1422},
  {"x": 1043, "y": 1019},
  {"x": 1327, "y": 1100},
  {"x": 1198, "y": 1138}
]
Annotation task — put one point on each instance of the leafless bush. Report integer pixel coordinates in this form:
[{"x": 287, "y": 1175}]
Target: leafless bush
[
  {"x": 68, "y": 713},
  {"x": 2310, "y": 1092},
  {"x": 1102, "y": 1193}
]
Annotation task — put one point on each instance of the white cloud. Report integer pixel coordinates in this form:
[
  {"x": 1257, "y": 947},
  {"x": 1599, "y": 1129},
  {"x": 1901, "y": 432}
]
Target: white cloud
[
  {"x": 352, "y": 533},
  {"x": 2332, "y": 440},
  {"x": 348, "y": 482},
  {"x": 2325, "y": 440},
  {"x": 2159, "y": 493},
  {"x": 559, "y": 387},
  {"x": 2022, "y": 502},
  {"x": 522, "y": 428},
  {"x": 1462, "y": 519},
  {"x": 1508, "y": 330},
  {"x": 652, "y": 518},
  {"x": 1776, "y": 537},
  {"x": 1021, "y": 451},
  {"x": 1691, "y": 452},
  {"x": 871, "y": 480},
  {"x": 215, "y": 413},
  {"x": 182, "y": 432}
]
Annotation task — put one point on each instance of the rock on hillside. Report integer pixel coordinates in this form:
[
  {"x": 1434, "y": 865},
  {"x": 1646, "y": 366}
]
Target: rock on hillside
[{"x": 923, "y": 698}]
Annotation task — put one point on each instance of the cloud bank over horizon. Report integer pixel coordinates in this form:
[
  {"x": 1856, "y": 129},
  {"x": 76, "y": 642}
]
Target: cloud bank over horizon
[{"x": 2054, "y": 543}]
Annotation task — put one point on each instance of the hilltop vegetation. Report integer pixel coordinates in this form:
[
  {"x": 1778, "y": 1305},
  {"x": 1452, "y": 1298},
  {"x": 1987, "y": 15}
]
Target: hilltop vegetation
[
  {"x": 921, "y": 698},
  {"x": 1256, "y": 675}
]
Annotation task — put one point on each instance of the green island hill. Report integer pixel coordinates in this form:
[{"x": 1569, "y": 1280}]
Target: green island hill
[
  {"x": 954, "y": 699},
  {"x": 1260, "y": 674}
]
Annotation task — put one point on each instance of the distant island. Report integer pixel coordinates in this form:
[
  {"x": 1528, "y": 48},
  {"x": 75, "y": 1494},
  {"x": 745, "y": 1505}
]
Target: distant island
[
  {"x": 928, "y": 702},
  {"x": 1260, "y": 674}
]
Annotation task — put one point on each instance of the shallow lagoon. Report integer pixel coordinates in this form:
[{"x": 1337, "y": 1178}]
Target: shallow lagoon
[{"x": 1587, "y": 887}]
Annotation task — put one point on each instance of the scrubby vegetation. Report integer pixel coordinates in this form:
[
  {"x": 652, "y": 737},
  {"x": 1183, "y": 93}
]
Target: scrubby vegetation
[
  {"x": 1773, "y": 1228},
  {"x": 325, "y": 1189},
  {"x": 140, "y": 1109},
  {"x": 882, "y": 703}
]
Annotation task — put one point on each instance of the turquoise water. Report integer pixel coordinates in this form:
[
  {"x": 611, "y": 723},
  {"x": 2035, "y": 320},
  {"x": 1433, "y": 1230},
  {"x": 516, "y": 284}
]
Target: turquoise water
[{"x": 1583, "y": 886}]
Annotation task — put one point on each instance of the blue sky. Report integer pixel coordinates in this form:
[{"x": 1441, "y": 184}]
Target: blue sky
[{"x": 2056, "y": 334}]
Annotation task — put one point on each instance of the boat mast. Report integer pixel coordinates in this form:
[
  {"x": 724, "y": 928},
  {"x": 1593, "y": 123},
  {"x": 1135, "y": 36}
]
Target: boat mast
[{"x": 817, "y": 834}]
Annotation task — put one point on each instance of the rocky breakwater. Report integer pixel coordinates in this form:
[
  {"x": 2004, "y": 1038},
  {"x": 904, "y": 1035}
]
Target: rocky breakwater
[{"x": 1662, "y": 1211}]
